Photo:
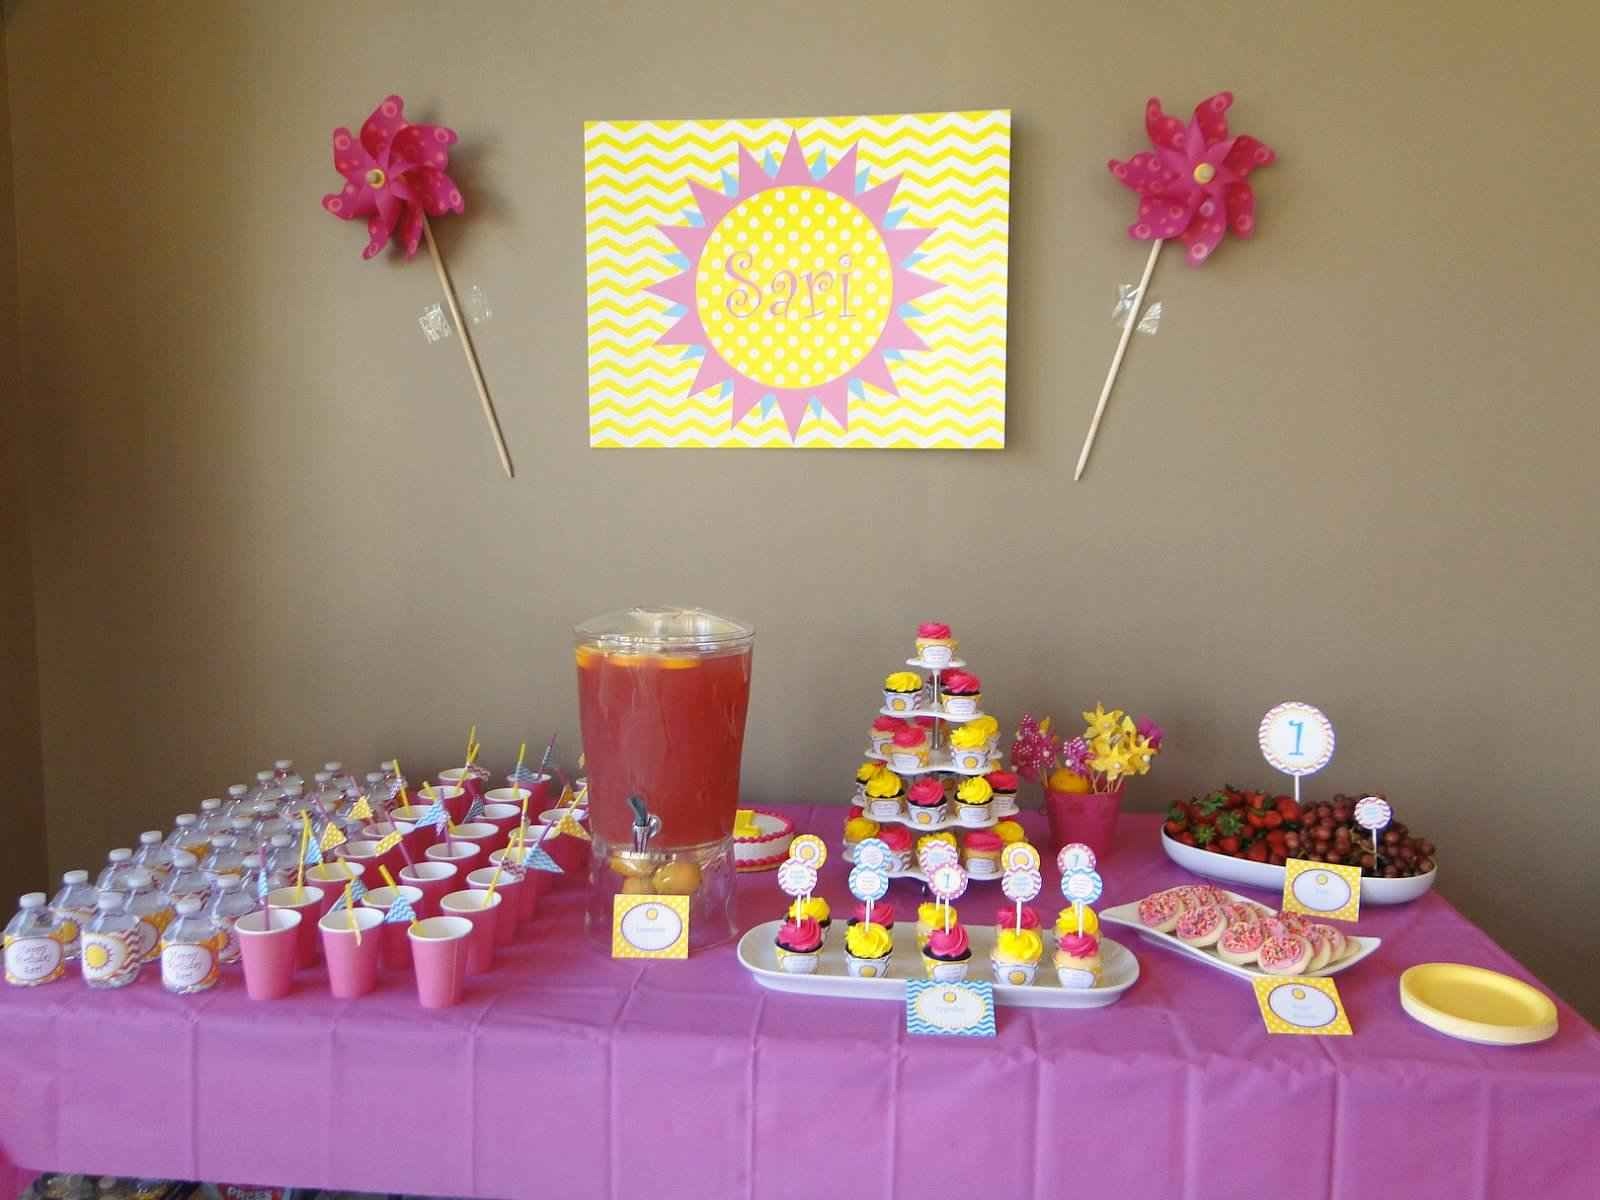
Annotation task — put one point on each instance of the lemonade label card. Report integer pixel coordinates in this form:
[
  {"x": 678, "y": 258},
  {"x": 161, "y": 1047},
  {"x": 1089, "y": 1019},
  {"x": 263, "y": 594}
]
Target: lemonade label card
[
  {"x": 1326, "y": 890},
  {"x": 819, "y": 282},
  {"x": 961, "y": 1009},
  {"x": 650, "y": 927},
  {"x": 1301, "y": 1006}
]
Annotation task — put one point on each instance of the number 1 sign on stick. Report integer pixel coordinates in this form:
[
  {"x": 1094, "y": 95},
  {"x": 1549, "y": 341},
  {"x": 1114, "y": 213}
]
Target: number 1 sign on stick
[{"x": 1297, "y": 739}]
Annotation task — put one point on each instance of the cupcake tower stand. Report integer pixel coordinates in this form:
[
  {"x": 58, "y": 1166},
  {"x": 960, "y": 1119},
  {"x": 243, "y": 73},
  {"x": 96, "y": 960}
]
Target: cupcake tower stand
[{"x": 942, "y": 760}]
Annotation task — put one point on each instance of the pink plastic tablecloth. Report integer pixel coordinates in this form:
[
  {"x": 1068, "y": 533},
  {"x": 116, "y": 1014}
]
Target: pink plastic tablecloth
[{"x": 566, "y": 1074}]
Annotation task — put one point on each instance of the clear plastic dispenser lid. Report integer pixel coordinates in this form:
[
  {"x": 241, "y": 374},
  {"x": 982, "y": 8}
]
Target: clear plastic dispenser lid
[{"x": 649, "y": 629}]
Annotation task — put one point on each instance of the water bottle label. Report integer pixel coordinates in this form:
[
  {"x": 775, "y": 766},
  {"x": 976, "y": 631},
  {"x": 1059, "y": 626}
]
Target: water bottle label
[
  {"x": 110, "y": 958},
  {"x": 71, "y": 927},
  {"x": 33, "y": 960},
  {"x": 151, "y": 927},
  {"x": 189, "y": 966}
]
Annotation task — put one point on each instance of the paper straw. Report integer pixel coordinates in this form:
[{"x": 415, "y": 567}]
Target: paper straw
[
  {"x": 305, "y": 844},
  {"x": 387, "y": 878},
  {"x": 350, "y": 911},
  {"x": 472, "y": 736}
]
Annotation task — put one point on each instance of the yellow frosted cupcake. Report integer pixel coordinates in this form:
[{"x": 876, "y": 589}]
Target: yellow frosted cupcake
[
  {"x": 972, "y": 801},
  {"x": 930, "y": 916},
  {"x": 901, "y": 691},
  {"x": 884, "y": 793},
  {"x": 815, "y": 909},
  {"x": 1016, "y": 956},
  {"x": 969, "y": 747},
  {"x": 867, "y": 946},
  {"x": 1067, "y": 923},
  {"x": 858, "y": 829}
]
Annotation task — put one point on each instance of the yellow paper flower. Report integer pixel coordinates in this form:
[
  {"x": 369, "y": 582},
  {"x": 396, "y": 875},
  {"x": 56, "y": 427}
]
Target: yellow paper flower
[
  {"x": 1101, "y": 723},
  {"x": 1140, "y": 752}
]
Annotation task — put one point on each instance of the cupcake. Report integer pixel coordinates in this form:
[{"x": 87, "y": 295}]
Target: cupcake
[
  {"x": 1016, "y": 956},
  {"x": 898, "y": 839},
  {"x": 799, "y": 944},
  {"x": 1067, "y": 923},
  {"x": 901, "y": 690},
  {"x": 946, "y": 954},
  {"x": 866, "y": 950},
  {"x": 857, "y": 829},
  {"x": 813, "y": 909},
  {"x": 972, "y": 801},
  {"x": 962, "y": 693},
  {"x": 1004, "y": 784},
  {"x": 1009, "y": 831},
  {"x": 884, "y": 793},
  {"x": 930, "y": 916},
  {"x": 909, "y": 750},
  {"x": 935, "y": 646},
  {"x": 864, "y": 774},
  {"x": 925, "y": 801},
  {"x": 990, "y": 728},
  {"x": 980, "y": 854},
  {"x": 1078, "y": 961},
  {"x": 1006, "y": 917},
  {"x": 883, "y": 731},
  {"x": 969, "y": 747},
  {"x": 882, "y": 914},
  {"x": 944, "y": 835}
]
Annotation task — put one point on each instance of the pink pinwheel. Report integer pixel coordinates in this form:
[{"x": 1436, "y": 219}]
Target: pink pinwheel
[
  {"x": 394, "y": 176},
  {"x": 1193, "y": 184}
]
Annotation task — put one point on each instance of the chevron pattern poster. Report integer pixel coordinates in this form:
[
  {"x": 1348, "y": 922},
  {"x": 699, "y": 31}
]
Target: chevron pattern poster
[{"x": 832, "y": 282}]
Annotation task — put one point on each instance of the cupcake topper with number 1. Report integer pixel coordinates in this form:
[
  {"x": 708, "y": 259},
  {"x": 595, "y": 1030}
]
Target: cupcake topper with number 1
[
  {"x": 947, "y": 882},
  {"x": 1074, "y": 856},
  {"x": 1372, "y": 814},
  {"x": 1297, "y": 739},
  {"x": 1021, "y": 884},
  {"x": 1081, "y": 886}
]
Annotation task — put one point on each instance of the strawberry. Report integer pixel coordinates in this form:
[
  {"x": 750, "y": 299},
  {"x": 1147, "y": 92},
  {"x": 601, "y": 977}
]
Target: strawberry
[
  {"x": 1186, "y": 838},
  {"x": 1257, "y": 852},
  {"x": 1174, "y": 828},
  {"x": 1204, "y": 835},
  {"x": 1255, "y": 800},
  {"x": 1273, "y": 819},
  {"x": 1287, "y": 808},
  {"x": 1228, "y": 845}
]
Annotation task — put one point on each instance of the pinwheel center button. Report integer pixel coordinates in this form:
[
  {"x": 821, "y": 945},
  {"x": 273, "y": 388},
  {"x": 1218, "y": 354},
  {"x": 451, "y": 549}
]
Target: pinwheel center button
[
  {"x": 1204, "y": 173},
  {"x": 376, "y": 178}
]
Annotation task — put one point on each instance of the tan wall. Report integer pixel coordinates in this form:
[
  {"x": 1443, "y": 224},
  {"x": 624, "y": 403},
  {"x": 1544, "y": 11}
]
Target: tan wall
[
  {"x": 22, "y": 847},
  {"x": 1356, "y": 466}
]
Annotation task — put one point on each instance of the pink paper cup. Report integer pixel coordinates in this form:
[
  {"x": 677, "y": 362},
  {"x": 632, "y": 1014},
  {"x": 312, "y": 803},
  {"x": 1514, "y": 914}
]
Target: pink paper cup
[
  {"x": 269, "y": 953},
  {"x": 421, "y": 836},
  {"x": 439, "y": 948},
  {"x": 393, "y": 859},
  {"x": 352, "y": 962},
  {"x": 331, "y": 878},
  {"x": 364, "y": 853},
  {"x": 306, "y": 901},
  {"x": 511, "y": 887},
  {"x": 483, "y": 834},
  {"x": 396, "y": 949},
  {"x": 456, "y": 799},
  {"x": 483, "y": 910},
  {"x": 433, "y": 880},
  {"x": 527, "y": 897},
  {"x": 502, "y": 814},
  {"x": 571, "y": 853},
  {"x": 460, "y": 853}
]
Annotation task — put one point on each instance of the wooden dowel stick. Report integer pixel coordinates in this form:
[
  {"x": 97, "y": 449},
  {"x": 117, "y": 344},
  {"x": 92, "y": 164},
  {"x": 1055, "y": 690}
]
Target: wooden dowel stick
[
  {"x": 467, "y": 348},
  {"x": 1116, "y": 360}
]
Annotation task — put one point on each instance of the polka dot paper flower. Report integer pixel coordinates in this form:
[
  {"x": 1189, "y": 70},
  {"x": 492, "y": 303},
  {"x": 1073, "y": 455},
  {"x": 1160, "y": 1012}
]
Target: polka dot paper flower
[
  {"x": 1193, "y": 184},
  {"x": 394, "y": 177}
]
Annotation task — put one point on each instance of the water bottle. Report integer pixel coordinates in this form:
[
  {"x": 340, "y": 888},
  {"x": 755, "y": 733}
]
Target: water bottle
[
  {"x": 154, "y": 855},
  {"x": 294, "y": 804},
  {"x": 280, "y": 860},
  {"x": 266, "y": 788},
  {"x": 232, "y": 902},
  {"x": 118, "y": 863},
  {"x": 110, "y": 957},
  {"x": 282, "y": 768},
  {"x": 186, "y": 833},
  {"x": 342, "y": 779},
  {"x": 187, "y": 879},
  {"x": 33, "y": 946},
  {"x": 238, "y": 797},
  {"x": 267, "y": 822},
  {"x": 210, "y": 816},
  {"x": 74, "y": 908},
  {"x": 153, "y": 907},
  {"x": 242, "y": 829},
  {"x": 225, "y": 858},
  {"x": 190, "y": 950},
  {"x": 377, "y": 791}
]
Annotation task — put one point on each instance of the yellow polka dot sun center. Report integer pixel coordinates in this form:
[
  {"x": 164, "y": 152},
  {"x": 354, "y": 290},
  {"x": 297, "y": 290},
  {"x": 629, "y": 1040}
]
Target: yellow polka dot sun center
[{"x": 794, "y": 287}]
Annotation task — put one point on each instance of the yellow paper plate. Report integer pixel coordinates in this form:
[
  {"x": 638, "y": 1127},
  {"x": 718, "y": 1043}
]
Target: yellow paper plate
[{"x": 1476, "y": 1004}]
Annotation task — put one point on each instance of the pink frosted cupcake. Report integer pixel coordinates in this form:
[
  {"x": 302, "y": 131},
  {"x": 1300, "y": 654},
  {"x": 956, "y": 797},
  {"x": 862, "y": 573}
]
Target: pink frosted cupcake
[
  {"x": 980, "y": 854},
  {"x": 898, "y": 839},
  {"x": 935, "y": 645},
  {"x": 946, "y": 954},
  {"x": 799, "y": 945},
  {"x": 909, "y": 750},
  {"x": 963, "y": 692},
  {"x": 925, "y": 800},
  {"x": 882, "y": 914},
  {"x": 883, "y": 731},
  {"x": 1005, "y": 785}
]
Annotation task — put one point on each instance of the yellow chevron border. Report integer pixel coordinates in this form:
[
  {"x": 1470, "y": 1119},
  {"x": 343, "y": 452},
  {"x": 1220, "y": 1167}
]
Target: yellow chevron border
[{"x": 955, "y": 179}]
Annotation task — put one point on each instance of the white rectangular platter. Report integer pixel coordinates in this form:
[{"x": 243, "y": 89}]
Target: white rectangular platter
[
  {"x": 1128, "y": 915},
  {"x": 1119, "y": 967}
]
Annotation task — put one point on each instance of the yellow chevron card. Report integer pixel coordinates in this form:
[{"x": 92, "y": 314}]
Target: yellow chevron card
[{"x": 821, "y": 282}]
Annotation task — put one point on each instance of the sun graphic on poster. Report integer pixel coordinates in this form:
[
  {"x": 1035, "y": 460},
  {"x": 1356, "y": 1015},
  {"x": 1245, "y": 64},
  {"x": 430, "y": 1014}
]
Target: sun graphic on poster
[{"x": 795, "y": 286}]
